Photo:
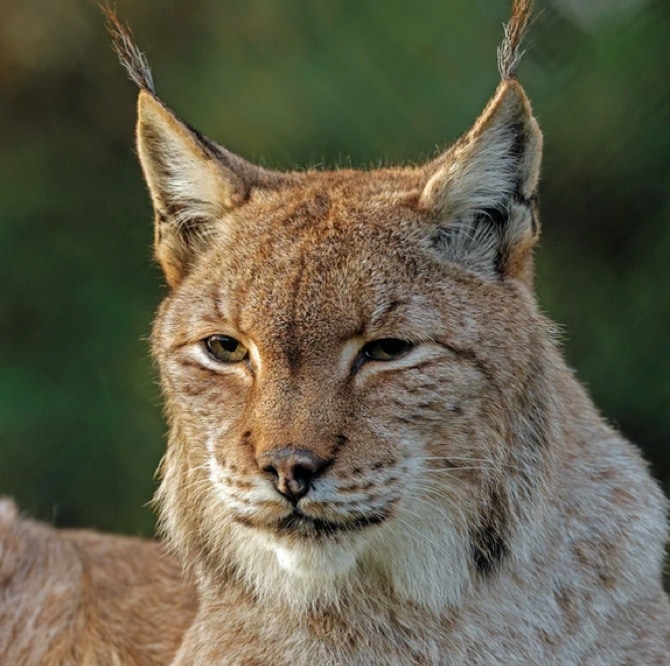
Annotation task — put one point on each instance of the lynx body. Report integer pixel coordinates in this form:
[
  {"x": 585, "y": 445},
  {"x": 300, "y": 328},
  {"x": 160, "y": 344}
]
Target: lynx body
[{"x": 377, "y": 454}]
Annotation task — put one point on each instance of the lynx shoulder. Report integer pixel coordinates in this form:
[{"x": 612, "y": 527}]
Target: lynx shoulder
[{"x": 377, "y": 454}]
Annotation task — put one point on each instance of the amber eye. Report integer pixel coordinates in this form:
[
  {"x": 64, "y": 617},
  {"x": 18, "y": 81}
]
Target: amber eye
[
  {"x": 385, "y": 349},
  {"x": 224, "y": 349}
]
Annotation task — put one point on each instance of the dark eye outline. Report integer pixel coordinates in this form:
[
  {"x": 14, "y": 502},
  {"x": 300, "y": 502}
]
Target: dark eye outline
[
  {"x": 385, "y": 350},
  {"x": 215, "y": 346}
]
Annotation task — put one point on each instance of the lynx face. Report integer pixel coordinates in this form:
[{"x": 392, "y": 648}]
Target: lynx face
[
  {"x": 354, "y": 367},
  {"x": 341, "y": 352}
]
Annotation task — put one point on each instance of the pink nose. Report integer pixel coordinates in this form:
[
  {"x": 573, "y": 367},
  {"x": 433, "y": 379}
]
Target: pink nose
[{"x": 292, "y": 470}]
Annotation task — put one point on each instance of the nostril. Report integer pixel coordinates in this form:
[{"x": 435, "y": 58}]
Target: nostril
[
  {"x": 270, "y": 469},
  {"x": 301, "y": 480},
  {"x": 304, "y": 473}
]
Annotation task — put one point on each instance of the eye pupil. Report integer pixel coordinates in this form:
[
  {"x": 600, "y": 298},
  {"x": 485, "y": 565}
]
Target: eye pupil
[
  {"x": 393, "y": 347},
  {"x": 386, "y": 349},
  {"x": 224, "y": 349},
  {"x": 229, "y": 344}
]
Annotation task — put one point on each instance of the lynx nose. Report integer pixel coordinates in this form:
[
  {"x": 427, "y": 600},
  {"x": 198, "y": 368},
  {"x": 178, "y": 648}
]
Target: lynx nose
[{"x": 292, "y": 470}]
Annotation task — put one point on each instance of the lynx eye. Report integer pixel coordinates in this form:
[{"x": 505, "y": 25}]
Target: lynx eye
[
  {"x": 385, "y": 349},
  {"x": 224, "y": 349}
]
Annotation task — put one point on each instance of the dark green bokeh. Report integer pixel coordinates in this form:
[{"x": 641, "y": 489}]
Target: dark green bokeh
[{"x": 292, "y": 83}]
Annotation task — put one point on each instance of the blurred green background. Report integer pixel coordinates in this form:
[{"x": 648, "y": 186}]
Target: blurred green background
[{"x": 298, "y": 82}]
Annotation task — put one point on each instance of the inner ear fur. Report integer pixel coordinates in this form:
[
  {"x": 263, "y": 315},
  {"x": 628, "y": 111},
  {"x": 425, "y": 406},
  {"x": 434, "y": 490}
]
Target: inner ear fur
[{"x": 482, "y": 192}]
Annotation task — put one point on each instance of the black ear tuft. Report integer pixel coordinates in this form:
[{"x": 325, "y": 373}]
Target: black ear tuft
[
  {"x": 130, "y": 56},
  {"x": 509, "y": 52}
]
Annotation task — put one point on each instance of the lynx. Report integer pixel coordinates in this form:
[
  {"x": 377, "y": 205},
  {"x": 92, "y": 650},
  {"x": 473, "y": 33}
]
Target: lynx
[{"x": 377, "y": 454}]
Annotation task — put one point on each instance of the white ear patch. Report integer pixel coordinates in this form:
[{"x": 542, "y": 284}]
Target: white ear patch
[
  {"x": 479, "y": 178},
  {"x": 483, "y": 189}
]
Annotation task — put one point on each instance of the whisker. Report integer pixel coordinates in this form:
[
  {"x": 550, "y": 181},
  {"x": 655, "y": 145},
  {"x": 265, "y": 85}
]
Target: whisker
[
  {"x": 488, "y": 461},
  {"x": 440, "y": 510},
  {"x": 451, "y": 470}
]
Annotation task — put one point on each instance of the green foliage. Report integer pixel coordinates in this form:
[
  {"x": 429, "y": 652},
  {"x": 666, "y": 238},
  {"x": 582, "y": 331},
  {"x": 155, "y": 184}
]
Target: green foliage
[{"x": 301, "y": 83}]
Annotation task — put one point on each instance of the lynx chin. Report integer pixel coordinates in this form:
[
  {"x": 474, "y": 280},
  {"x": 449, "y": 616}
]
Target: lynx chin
[{"x": 377, "y": 454}]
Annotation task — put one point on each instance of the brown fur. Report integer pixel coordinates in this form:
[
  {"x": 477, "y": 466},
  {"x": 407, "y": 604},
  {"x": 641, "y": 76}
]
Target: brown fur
[
  {"x": 470, "y": 505},
  {"x": 74, "y": 597}
]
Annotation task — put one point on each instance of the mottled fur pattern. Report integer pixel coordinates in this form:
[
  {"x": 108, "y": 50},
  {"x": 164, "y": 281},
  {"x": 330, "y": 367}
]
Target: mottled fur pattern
[{"x": 471, "y": 506}]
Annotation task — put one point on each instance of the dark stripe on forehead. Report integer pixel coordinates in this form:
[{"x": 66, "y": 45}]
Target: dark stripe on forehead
[
  {"x": 305, "y": 214},
  {"x": 291, "y": 344},
  {"x": 383, "y": 312}
]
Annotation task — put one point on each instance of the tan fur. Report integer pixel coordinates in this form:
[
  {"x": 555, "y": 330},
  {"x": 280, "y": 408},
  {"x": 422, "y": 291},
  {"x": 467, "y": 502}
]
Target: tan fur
[
  {"x": 470, "y": 507},
  {"x": 74, "y": 597}
]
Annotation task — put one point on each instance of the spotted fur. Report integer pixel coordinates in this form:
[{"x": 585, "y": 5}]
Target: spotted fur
[{"x": 472, "y": 507}]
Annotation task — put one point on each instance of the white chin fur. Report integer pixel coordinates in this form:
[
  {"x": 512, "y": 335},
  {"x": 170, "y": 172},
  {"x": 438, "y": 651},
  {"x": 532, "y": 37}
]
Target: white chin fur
[{"x": 315, "y": 559}]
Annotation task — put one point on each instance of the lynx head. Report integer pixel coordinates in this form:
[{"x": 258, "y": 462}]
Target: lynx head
[{"x": 352, "y": 361}]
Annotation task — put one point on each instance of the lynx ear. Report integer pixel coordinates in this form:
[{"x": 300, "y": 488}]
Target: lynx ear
[
  {"x": 483, "y": 190},
  {"x": 192, "y": 182}
]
